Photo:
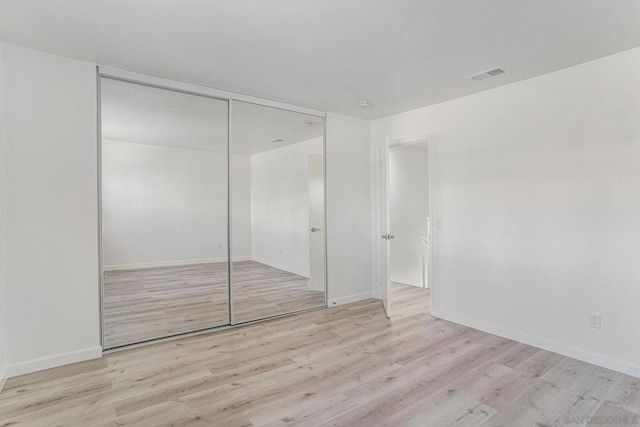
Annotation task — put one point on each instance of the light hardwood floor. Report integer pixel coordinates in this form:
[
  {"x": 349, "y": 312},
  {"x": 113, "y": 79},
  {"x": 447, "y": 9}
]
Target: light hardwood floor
[
  {"x": 342, "y": 366},
  {"x": 149, "y": 303}
]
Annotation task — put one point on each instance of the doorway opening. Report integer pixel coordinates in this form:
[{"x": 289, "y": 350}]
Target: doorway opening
[{"x": 405, "y": 223}]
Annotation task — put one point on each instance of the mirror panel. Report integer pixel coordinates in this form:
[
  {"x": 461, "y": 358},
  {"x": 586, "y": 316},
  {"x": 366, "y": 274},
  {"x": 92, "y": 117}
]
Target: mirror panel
[
  {"x": 164, "y": 212},
  {"x": 278, "y": 212}
]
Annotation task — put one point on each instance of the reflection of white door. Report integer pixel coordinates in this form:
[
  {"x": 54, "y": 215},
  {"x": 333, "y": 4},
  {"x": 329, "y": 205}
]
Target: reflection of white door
[
  {"x": 316, "y": 222},
  {"x": 384, "y": 227}
]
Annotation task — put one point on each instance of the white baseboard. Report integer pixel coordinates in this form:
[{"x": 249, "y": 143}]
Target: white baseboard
[
  {"x": 282, "y": 267},
  {"x": 53, "y": 361},
  {"x": 544, "y": 344},
  {"x": 349, "y": 299},
  {"x": 171, "y": 263}
]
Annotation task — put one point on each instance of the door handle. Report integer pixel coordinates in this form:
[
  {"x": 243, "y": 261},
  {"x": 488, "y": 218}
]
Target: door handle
[{"x": 313, "y": 229}]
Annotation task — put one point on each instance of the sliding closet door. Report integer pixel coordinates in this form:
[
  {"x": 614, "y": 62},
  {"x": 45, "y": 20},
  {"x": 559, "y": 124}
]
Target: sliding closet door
[
  {"x": 164, "y": 212},
  {"x": 278, "y": 214}
]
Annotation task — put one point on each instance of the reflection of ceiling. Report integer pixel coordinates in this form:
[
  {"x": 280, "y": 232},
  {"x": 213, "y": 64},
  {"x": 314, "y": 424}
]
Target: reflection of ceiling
[
  {"x": 255, "y": 126},
  {"x": 147, "y": 115}
]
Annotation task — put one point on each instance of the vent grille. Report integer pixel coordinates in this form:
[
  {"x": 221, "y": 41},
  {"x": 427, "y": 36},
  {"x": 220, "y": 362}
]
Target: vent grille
[{"x": 494, "y": 72}]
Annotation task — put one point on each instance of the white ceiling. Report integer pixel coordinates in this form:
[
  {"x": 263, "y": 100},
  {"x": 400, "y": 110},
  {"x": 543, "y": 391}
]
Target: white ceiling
[
  {"x": 329, "y": 54},
  {"x": 147, "y": 115}
]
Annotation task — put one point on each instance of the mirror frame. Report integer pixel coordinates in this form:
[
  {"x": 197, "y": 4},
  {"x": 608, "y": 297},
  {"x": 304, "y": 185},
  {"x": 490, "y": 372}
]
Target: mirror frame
[{"x": 230, "y": 97}]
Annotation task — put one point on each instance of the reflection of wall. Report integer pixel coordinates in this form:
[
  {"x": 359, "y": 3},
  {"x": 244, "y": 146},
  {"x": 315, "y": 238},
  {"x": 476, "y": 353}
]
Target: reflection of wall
[
  {"x": 168, "y": 206},
  {"x": 241, "y": 205},
  {"x": 409, "y": 209},
  {"x": 280, "y": 206}
]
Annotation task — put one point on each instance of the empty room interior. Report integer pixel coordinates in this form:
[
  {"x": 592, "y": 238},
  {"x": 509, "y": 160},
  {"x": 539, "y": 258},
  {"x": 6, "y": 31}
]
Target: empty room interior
[{"x": 320, "y": 212}]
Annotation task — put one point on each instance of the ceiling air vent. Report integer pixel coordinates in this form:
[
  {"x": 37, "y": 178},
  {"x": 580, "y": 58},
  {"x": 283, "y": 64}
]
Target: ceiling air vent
[{"x": 494, "y": 72}]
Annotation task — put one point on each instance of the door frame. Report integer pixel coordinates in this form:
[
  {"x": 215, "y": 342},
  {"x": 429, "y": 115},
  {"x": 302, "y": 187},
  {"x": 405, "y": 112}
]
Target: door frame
[{"x": 379, "y": 228}]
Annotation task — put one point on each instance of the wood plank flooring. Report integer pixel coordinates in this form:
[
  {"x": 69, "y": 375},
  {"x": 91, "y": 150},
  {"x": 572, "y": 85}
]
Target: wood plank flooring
[
  {"x": 342, "y": 366},
  {"x": 149, "y": 303}
]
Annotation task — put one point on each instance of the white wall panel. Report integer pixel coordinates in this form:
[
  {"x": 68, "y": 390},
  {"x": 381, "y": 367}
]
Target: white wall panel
[{"x": 52, "y": 237}]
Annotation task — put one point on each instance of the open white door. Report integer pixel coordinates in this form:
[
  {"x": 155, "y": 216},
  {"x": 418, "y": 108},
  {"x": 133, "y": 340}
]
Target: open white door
[
  {"x": 401, "y": 166},
  {"x": 384, "y": 228}
]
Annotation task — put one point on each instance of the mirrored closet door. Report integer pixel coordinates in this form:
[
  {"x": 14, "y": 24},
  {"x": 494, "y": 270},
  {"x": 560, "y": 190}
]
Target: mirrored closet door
[
  {"x": 189, "y": 181},
  {"x": 164, "y": 207},
  {"x": 277, "y": 211}
]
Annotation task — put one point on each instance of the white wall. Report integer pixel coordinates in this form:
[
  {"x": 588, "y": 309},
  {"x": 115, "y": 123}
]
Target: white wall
[
  {"x": 349, "y": 208},
  {"x": 3, "y": 237},
  {"x": 52, "y": 239},
  {"x": 168, "y": 205},
  {"x": 52, "y": 231},
  {"x": 536, "y": 184},
  {"x": 280, "y": 206},
  {"x": 409, "y": 210}
]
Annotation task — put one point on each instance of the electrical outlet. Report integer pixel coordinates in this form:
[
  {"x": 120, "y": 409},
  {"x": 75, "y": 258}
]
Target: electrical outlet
[
  {"x": 219, "y": 245},
  {"x": 594, "y": 320},
  {"x": 439, "y": 225}
]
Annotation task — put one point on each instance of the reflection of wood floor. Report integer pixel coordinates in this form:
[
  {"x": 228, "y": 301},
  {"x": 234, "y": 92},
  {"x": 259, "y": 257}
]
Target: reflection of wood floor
[
  {"x": 150, "y": 303},
  {"x": 342, "y": 366}
]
